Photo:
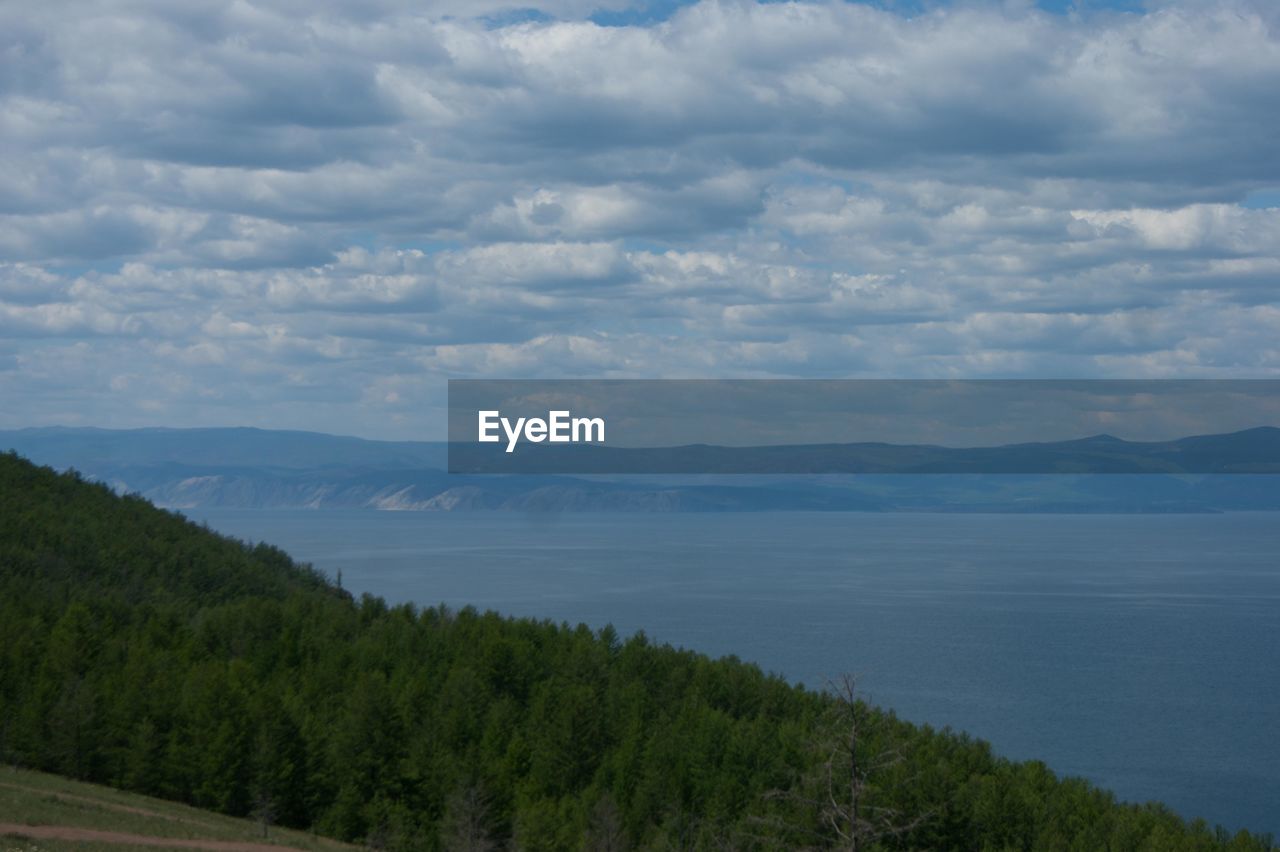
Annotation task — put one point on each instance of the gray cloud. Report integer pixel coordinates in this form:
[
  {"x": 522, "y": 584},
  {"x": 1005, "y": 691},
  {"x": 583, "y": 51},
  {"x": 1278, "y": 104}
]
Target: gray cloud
[{"x": 309, "y": 214}]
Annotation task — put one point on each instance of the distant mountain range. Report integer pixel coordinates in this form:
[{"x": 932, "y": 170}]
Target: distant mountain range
[
  {"x": 83, "y": 448},
  {"x": 1249, "y": 451},
  {"x": 255, "y": 468}
]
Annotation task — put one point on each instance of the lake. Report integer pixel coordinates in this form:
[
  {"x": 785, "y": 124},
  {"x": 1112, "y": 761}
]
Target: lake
[{"x": 1139, "y": 651}]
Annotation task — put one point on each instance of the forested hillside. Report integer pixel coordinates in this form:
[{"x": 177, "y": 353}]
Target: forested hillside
[{"x": 142, "y": 651}]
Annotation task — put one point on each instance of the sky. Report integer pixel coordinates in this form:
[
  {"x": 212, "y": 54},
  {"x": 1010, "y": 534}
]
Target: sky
[{"x": 310, "y": 214}]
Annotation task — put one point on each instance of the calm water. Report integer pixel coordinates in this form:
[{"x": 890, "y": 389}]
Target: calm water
[{"x": 1141, "y": 652}]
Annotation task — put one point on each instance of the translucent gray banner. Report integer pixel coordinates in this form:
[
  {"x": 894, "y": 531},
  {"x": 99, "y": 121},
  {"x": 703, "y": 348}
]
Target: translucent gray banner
[{"x": 864, "y": 426}]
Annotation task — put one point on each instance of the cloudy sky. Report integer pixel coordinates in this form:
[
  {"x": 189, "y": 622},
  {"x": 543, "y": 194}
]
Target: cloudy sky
[{"x": 310, "y": 214}]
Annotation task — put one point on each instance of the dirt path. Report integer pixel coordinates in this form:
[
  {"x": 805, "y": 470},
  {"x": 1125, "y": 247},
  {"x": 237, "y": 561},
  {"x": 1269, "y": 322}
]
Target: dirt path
[{"x": 66, "y": 832}]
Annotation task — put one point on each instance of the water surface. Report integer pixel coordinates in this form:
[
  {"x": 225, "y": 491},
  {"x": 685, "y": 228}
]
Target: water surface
[{"x": 1138, "y": 651}]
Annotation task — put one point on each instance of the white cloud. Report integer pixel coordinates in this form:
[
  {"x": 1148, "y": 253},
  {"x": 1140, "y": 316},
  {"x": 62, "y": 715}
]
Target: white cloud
[{"x": 267, "y": 213}]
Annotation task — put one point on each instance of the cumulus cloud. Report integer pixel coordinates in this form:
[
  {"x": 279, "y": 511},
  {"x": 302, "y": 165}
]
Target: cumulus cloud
[{"x": 310, "y": 214}]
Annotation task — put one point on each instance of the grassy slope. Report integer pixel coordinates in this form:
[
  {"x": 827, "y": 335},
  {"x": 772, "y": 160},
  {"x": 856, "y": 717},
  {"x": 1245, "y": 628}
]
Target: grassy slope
[{"x": 37, "y": 799}]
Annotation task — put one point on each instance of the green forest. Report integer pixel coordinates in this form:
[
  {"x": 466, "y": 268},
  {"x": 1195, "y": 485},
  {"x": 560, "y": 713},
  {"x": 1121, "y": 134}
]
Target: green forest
[{"x": 140, "y": 650}]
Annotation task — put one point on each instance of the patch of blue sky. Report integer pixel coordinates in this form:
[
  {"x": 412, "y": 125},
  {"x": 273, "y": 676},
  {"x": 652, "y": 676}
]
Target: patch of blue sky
[
  {"x": 512, "y": 17},
  {"x": 808, "y": 177},
  {"x": 103, "y": 266},
  {"x": 1268, "y": 199},
  {"x": 1064, "y": 7},
  {"x": 367, "y": 240},
  {"x": 375, "y": 241},
  {"x": 641, "y": 14},
  {"x": 648, "y": 246},
  {"x": 426, "y": 246},
  {"x": 649, "y": 12}
]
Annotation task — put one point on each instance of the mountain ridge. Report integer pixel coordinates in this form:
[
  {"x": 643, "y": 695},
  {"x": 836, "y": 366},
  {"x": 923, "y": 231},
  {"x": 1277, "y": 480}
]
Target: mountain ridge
[{"x": 247, "y": 467}]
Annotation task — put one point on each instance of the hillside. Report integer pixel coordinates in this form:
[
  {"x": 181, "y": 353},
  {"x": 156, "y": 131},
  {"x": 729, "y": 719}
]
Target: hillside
[
  {"x": 141, "y": 651},
  {"x": 47, "y": 812}
]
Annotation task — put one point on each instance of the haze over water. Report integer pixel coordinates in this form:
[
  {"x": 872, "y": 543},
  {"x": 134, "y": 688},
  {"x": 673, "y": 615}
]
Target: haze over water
[{"x": 1138, "y": 651}]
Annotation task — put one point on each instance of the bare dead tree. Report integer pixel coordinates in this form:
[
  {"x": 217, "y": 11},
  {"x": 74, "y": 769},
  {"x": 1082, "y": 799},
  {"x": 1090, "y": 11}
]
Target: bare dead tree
[
  {"x": 466, "y": 823},
  {"x": 694, "y": 832},
  {"x": 841, "y": 795},
  {"x": 264, "y": 810},
  {"x": 604, "y": 827}
]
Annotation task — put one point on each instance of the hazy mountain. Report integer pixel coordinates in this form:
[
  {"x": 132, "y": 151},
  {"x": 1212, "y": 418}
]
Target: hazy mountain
[
  {"x": 1250, "y": 451},
  {"x": 84, "y": 448},
  {"x": 255, "y": 468}
]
